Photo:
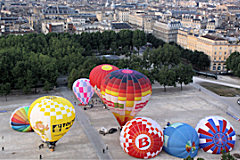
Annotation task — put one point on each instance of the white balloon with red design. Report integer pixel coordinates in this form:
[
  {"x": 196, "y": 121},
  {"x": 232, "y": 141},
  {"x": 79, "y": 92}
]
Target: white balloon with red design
[{"x": 142, "y": 138}]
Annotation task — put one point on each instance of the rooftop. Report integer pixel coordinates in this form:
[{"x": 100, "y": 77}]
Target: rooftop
[
  {"x": 213, "y": 37},
  {"x": 121, "y": 26}
]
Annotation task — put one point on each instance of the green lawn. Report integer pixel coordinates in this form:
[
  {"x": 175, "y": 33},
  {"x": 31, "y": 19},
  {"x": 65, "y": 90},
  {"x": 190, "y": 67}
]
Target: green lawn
[{"x": 221, "y": 90}]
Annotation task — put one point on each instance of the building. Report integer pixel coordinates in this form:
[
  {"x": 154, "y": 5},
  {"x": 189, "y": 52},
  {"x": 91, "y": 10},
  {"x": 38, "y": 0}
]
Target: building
[
  {"x": 106, "y": 16},
  {"x": 95, "y": 27},
  {"x": 211, "y": 25},
  {"x": 122, "y": 15},
  {"x": 120, "y": 26},
  {"x": 218, "y": 49},
  {"x": 136, "y": 19},
  {"x": 82, "y": 18},
  {"x": 228, "y": 8},
  {"x": 142, "y": 21},
  {"x": 57, "y": 27},
  {"x": 166, "y": 31},
  {"x": 14, "y": 25},
  {"x": 57, "y": 11},
  {"x": 193, "y": 22}
]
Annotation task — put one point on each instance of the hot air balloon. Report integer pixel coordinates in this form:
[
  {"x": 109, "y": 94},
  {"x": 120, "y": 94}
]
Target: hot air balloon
[
  {"x": 98, "y": 73},
  {"x": 181, "y": 140},
  {"x": 51, "y": 117},
  {"x": 142, "y": 138},
  {"x": 216, "y": 135},
  {"x": 125, "y": 92},
  {"x": 19, "y": 120},
  {"x": 83, "y": 90}
]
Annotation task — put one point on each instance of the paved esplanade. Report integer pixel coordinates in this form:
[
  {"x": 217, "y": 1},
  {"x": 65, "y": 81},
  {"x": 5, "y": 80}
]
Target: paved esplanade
[{"x": 83, "y": 120}]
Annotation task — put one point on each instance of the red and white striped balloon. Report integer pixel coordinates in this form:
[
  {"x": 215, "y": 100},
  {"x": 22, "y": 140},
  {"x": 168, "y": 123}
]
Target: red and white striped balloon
[{"x": 142, "y": 138}]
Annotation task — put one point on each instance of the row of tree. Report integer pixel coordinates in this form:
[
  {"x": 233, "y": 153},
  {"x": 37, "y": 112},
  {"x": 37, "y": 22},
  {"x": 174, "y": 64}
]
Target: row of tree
[
  {"x": 162, "y": 65},
  {"x": 34, "y": 60}
]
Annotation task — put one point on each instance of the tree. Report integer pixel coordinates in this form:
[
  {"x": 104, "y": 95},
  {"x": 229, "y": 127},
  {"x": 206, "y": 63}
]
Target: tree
[
  {"x": 26, "y": 88},
  {"x": 125, "y": 38},
  {"x": 154, "y": 41},
  {"x": 166, "y": 77},
  {"x": 170, "y": 55},
  {"x": 73, "y": 76},
  {"x": 203, "y": 61},
  {"x": 233, "y": 63},
  {"x": 184, "y": 74},
  {"x": 188, "y": 158},
  {"x": 167, "y": 55},
  {"x": 139, "y": 39},
  {"x": 49, "y": 70},
  {"x": 5, "y": 89},
  {"x": 47, "y": 86},
  {"x": 226, "y": 156}
]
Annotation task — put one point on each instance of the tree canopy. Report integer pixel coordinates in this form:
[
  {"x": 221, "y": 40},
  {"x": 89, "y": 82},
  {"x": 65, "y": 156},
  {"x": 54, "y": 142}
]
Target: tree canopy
[
  {"x": 32, "y": 60},
  {"x": 233, "y": 63}
]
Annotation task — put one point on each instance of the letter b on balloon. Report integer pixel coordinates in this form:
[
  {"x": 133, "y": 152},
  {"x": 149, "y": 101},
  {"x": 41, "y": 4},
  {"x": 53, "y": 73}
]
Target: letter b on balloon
[{"x": 143, "y": 142}]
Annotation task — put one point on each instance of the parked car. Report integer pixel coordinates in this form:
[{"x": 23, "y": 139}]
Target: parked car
[
  {"x": 103, "y": 131},
  {"x": 238, "y": 101}
]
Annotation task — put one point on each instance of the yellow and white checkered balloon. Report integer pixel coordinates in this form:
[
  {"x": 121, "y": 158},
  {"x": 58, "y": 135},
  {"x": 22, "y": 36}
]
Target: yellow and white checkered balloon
[{"x": 51, "y": 117}]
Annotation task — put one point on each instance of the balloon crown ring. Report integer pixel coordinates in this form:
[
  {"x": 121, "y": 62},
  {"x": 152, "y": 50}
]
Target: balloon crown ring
[
  {"x": 127, "y": 71},
  {"x": 107, "y": 67}
]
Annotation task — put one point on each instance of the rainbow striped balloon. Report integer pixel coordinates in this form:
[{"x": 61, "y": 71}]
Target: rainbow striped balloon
[
  {"x": 216, "y": 134},
  {"x": 125, "y": 92},
  {"x": 19, "y": 120}
]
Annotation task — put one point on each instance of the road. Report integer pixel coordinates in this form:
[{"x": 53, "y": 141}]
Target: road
[
  {"x": 83, "y": 120},
  {"x": 233, "y": 108}
]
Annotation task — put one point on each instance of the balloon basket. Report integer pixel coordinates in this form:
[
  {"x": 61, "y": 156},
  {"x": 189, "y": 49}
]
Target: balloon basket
[{"x": 51, "y": 149}]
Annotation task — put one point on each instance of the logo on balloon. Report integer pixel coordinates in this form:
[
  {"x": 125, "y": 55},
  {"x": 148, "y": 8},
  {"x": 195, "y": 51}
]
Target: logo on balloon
[
  {"x": 40, "y": 127},
  {"x": 143, "y": 142}
]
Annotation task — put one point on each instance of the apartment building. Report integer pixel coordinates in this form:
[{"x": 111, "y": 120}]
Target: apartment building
[
  {"x": 57, "y": 27},
  {"x": 166, "y": 31},
  {"x": 211, "y": 25},
  {"x": 218, "y": 49},
  {"x": 122, "y": 15},
  {"x": 193, "y": 22},
  {"x": 57, "y": 11},
  {"x": 136, "y": 19},
  {"x": 106, "y": 15},
  {"x": 228, "y": 8},
  {"x": 14, "y": 25},
  {"x": 82, "y": 18},
  {"x": 90, "y": 28}
]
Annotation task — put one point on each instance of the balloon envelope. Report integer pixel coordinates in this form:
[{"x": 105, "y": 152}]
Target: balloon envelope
[
  {"x": 98, "y": 73},
  {"x": 51, "y": 117},
  {"x": 142, "y": 138},
  {"x": 125, "y": 92},
  {"x": 83, "y": 90},
  {"x": 181, "y": 140},
  {"x": 216, "y": 134},
  {"x": 19, "y": 120}
]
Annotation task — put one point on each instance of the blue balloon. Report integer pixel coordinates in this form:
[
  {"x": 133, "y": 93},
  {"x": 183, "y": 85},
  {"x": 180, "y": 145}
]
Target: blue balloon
[{"x": 181, "y": 140}]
